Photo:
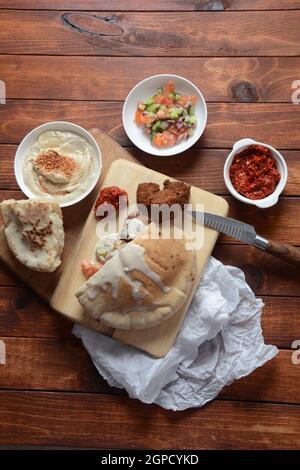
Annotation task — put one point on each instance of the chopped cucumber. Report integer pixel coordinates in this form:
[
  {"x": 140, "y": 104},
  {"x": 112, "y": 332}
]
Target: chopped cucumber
[
  {"x": 173, "y": 115},
  {"x": 179, "y": 111},
  {"x": 148, "y": 101},
  {"x": 187, "y": 119},
  {"x": 142, "y": 107},
  {"x": 193, "y": 119},
  {"x": 156, "y": 127},
  {"x": 164, "y": 125},
  {"x": 191, "y": 110},
  {"x": 162, "y": 107},
  {"x": 152, "y": 107},
  {"x": 159, "y": 91},
  {"x": 172, "y": 96}
]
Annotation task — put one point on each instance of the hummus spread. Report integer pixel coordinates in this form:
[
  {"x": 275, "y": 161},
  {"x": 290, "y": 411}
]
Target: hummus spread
[{"x": 60, "y": 166}]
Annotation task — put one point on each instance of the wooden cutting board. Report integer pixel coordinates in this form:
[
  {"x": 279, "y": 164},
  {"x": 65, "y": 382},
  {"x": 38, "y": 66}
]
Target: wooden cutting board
[{"x": 119, "y": 168}]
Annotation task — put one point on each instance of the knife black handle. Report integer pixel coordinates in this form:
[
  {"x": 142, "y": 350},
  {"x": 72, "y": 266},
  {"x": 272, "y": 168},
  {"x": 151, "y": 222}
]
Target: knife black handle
[{"x": 284, "y": 251}]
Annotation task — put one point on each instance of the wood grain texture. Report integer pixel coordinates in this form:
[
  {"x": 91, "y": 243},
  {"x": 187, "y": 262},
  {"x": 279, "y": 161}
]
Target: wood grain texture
[
  {"x": 227, "y": 122},
  {"x": 280, "y": 320},
  {"x": 284, "y": 252},
  {"x": 270, "y": 224},
  {"x": 63, "y": 364},
  {"x": 198, "y": 167},
  {"x": 150, "y": 34},
  {"x": 272, "y": 382},
  {"x": 23, "y": 314},
  {"x": 265, "y": 274},
  {"x": 238, "y": 79},
  {"x": 256, "y": 92},
  {"x": 106, "y": 421},
  {"x": 49, "y": 364},
  {"x": 8, "y": 278},
  {"x": 154, "y": 5}
]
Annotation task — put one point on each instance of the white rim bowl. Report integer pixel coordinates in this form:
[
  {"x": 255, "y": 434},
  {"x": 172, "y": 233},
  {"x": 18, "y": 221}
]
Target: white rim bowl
[
  {"x": 147, "y": 88},
  {"x": 31, "y": 138},
  {"x": 270, "y": 200}
]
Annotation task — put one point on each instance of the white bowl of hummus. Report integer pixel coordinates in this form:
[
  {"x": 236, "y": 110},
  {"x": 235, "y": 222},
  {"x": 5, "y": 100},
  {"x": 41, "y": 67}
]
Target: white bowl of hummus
[{"x": 58, "y": 161}]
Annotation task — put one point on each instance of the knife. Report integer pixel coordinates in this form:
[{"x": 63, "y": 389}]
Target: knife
[{"x": 246, "y": 233}]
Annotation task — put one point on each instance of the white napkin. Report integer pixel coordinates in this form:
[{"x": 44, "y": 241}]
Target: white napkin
[{"x": 220, "y": 341}]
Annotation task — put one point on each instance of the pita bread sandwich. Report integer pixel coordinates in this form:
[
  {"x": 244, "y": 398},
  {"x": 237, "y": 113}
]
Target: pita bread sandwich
[
  {"x": 34, "y": 232},
  {"x": 143, "y": 284}
]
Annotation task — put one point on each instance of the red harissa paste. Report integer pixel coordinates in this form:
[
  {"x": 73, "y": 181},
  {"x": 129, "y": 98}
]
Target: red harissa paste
[
  {"x": 110, "y": 195},
  {"x": 254, "y": 173}
]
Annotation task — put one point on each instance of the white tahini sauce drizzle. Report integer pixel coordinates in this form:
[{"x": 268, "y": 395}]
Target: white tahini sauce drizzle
[{"x": 126, "y": 260}]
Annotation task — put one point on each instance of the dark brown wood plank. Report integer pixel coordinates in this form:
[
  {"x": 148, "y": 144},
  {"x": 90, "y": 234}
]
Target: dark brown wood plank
[
  {"x": 271, "y": 382},
  {"x": 24, "y": 314},
  {"x": 7, "y": 175},
  {"x": 238, "y": 79},
  {"x": 272, "y": 223},
  {"x": 265, "y": 274},
  {"x": 199, "y": 167},
  {"x": 280, "y": 320},
  {"x": 106, "y": 421},
  {"x": 280, "y": 222},
  {"x": 204, "y": 168},
  {"x": 7, "y": 278},
  {"x": 267, "y": 123},
  {"x": 28, "y": 114},
  {"x": 49, "y": 364},
  {"x": 154, "y": 5},
  {"x": 151, "y": 34},
  {"x": 227, "y": 122},
  {"x": 56, "y": 364}
]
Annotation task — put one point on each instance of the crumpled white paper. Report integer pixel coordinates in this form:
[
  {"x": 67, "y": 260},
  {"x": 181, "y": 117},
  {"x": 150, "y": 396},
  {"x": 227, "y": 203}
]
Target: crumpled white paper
[{"x": 220, "y": 341}]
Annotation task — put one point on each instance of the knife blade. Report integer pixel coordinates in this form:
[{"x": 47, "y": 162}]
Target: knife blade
[
  {"x": 247, "y": 234},
  {"x": 233, "y": 228}
]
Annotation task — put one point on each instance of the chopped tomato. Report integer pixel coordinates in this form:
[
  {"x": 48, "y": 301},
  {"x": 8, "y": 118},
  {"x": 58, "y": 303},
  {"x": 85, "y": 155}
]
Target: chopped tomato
[
  {"x": 110, "y": 195},
  {"x": 161, "y": 99},
  {"x": 168, "y": 101},
  {"x": 89, "y": 268},
  {"x": 138, "y": 115},
  {"x": 141, "y": 118},
  {"x": 184, "y": 99},
  {"x": 158, "y": 99},
  {"x": 169, "y": 88},
  {"x": 164, "y": 139}
]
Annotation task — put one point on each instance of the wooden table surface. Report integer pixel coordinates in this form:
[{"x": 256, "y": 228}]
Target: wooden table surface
[{"x": 77, "y": 60}]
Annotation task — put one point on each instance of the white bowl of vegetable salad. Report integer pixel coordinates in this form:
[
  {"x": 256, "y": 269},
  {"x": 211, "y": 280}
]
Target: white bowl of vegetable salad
[{"x": 164, "y": 114}]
